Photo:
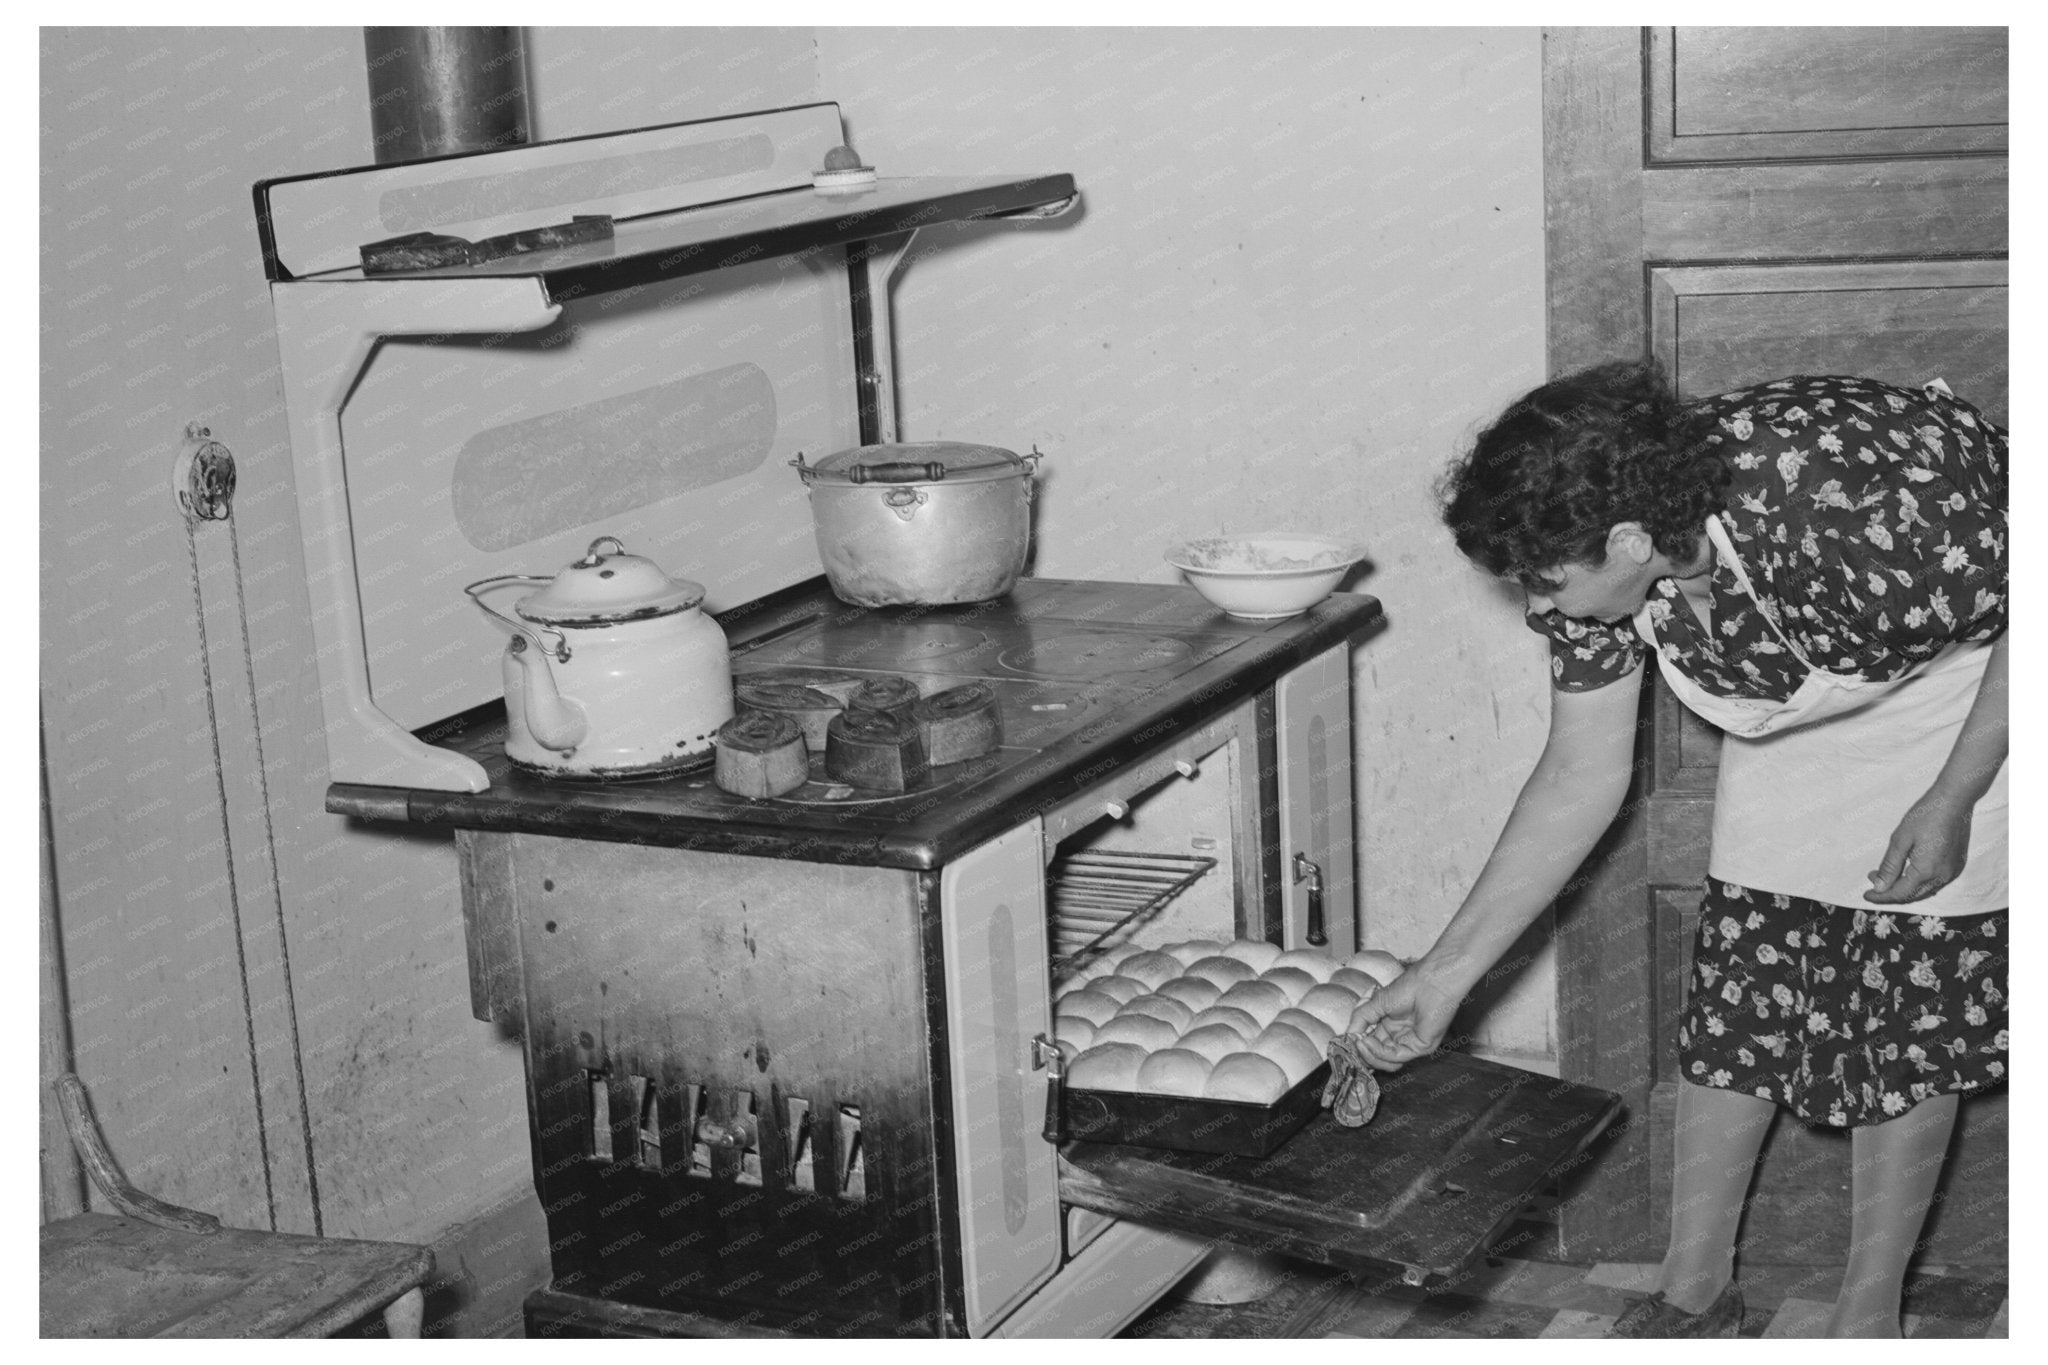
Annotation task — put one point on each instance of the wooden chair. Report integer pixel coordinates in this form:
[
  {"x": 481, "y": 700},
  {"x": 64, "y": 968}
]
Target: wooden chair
[{"x": 157, "y": 1270}]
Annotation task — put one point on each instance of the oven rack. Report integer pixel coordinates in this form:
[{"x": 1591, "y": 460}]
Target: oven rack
[{"x": 1093, "y": 895}]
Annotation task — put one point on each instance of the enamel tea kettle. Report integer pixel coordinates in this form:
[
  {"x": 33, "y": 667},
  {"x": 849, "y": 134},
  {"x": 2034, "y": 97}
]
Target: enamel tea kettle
[{"x": 612, "y": 670}]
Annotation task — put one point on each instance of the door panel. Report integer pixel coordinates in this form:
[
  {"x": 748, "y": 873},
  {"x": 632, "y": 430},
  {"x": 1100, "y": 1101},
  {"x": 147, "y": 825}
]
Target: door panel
[
  {"x": 1847, "y": 209},
  {"x": 1853, "y": 222},
  {"x": 1719, "y": 327},
  {"x": 1688, "y": 753},
  {"x": 1719, "y": 94}
]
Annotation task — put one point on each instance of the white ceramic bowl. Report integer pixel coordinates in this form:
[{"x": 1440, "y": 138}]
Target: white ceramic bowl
[{"x": 1264, "y": 577}]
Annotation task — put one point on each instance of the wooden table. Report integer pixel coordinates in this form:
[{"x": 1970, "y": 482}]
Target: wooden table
[{"x": 107, "y": 1276}]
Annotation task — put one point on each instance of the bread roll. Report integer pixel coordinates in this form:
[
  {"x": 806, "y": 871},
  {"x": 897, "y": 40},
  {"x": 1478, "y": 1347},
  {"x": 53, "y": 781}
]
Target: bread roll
[
  {"x": 1220, "y": 971},
  {"x": 1292, "y": 980},
  {"x": 760, "y": 755},
  {"x": 1381, "y": 967},
  {"x": 959, "y": 723},
  {"x": 1106, "y": 958},
  {"x": 1142, "y": 1029},
  {"x": 1165, "y": 1009},
  {"x": 1332, "y": 1004},
  {"x": 1247, "y": 1077},
  {"x": 1152, "y": 970},
  {"x": 1072, "y": 1028},
  {"x": 875, "y": 750},
  {"x": 1173, "y": 1071},
  {"x": 1191, "y": 991},
  {"x": 1260, "y": 999},
  {"x": 1122, "y": 989},
  {"x": 1107, "y": 1066},
  {"x": 1288, "y": 1046},
  {"x": 810, "y": 709},
  {"x": 1238, "y": 1021},
  {"x": 1314, "y": 1029},
  {"x": 887, "y": 693},
  {"x": 1093, "y": 1006},
  {"x": 1212, "y": 1041},
  {"x": 1355, "y": 981},
  {"x": 1194, "y": 949},
  {"x": 1317, "y": 964},
  {"x": 1254, "y": 953}
]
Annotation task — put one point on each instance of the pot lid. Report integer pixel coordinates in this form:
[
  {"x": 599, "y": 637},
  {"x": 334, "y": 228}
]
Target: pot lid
[
  {"x": 918, "y": 462},
  {"x": 606, "y": 585}
]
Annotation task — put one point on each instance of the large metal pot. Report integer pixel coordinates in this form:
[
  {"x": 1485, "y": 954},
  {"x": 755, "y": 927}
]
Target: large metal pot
[{"x": 921, "y": 524}]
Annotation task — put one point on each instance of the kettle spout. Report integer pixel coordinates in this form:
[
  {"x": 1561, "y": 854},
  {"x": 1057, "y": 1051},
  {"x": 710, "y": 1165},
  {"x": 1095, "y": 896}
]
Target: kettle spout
[{"x": 534, "y": 704}]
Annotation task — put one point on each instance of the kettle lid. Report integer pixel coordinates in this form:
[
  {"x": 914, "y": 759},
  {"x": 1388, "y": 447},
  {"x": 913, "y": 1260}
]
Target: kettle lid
[{"x": 609, "y": 585}]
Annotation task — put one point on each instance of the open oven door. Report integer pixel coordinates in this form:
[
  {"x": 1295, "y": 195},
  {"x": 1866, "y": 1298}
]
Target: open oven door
[
  {"x": 1458, "y": 1149},
  {"x": 993, "y": 920}
]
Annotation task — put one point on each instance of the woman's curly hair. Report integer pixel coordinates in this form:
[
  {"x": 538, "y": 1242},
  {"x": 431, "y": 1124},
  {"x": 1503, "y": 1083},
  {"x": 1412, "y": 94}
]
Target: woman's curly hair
[{"x": 1544, "y": 484}]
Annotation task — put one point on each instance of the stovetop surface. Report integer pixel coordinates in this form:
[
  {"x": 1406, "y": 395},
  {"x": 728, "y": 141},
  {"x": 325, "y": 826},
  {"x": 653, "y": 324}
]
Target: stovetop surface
[{"x": 1079, "y": 669}]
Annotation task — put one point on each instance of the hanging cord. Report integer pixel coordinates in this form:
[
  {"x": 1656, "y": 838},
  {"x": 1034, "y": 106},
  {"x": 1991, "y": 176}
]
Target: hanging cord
[
  {"x": 213, "y": 503},
  {"x": 284, "y": 954},
  {"x": 228, "y": 851}
]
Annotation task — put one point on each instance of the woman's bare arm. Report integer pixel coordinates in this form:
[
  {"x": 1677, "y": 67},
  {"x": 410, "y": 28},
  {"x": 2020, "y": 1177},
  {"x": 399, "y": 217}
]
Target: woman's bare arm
[{"x": 1565, "y": 806}]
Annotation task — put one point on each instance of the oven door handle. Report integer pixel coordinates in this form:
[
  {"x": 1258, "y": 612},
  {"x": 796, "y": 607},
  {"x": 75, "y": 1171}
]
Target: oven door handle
[
  {"x": 1045, "y": 1056},
  {"x": 1306, "y": 871}
]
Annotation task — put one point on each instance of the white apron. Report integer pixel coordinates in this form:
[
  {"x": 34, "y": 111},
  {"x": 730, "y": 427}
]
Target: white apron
[{"x": 1811, "y": 788}]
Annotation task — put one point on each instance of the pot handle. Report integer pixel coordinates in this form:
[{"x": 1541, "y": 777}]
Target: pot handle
[
  {"x": 889, "y": 471},
  {"x": 896, "y": 471},
  {"x": 477, "y": 590},
  {"x": 903, "y": 471}
]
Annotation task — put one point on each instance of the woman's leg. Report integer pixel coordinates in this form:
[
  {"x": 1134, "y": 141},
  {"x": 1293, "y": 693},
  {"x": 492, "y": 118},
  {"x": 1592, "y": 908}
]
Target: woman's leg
[
  {"x": 1713, "y": 1158},
  {"x": 1896, "y": 1165}
]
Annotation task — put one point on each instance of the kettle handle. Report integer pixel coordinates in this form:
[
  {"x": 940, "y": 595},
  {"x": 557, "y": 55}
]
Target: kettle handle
[{"x": 477, "y": 590}]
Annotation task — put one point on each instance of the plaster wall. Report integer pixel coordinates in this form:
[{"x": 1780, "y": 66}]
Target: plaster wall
[
  {"x": 1308, "y": 263},
  {"x": 172, "y": 878}
]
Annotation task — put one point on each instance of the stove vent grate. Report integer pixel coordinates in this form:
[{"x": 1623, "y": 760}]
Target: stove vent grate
[{"x": 1096, "y": 896}]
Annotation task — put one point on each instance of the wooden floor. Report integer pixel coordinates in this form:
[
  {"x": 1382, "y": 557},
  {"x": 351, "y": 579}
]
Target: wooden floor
[{"x": 1516, "y": 1298}]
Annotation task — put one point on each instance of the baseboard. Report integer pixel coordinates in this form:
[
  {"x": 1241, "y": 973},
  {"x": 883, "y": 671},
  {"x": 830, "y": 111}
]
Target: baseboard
[{"x": 484, "y": 1269}]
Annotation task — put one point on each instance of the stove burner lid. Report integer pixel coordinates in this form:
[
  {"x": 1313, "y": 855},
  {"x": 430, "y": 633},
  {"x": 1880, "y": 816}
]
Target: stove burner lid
[
  {"x": 937, "y": 640},
  {"x": 1091, "y": 654}
]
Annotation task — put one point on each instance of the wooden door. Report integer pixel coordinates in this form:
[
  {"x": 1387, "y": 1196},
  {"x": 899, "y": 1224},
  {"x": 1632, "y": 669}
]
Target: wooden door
[{"x": 1743, "y": 204}]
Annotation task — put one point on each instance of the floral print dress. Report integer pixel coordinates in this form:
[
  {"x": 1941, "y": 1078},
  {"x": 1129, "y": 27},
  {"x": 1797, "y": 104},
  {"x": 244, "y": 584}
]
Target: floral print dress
[
  {"x": 1871, "y": 520},
  {"x": 1846, "y": 1016}
]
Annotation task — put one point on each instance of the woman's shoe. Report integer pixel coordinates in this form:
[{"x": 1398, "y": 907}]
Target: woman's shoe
[{"x": 1653, "y": 1317}]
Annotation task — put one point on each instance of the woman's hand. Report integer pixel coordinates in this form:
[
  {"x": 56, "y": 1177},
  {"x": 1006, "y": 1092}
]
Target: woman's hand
[
  {"x": 1403, "y": 1020},
  {"x": 1927, "y": 850},
  {"x": 1932, "y": 842}
]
